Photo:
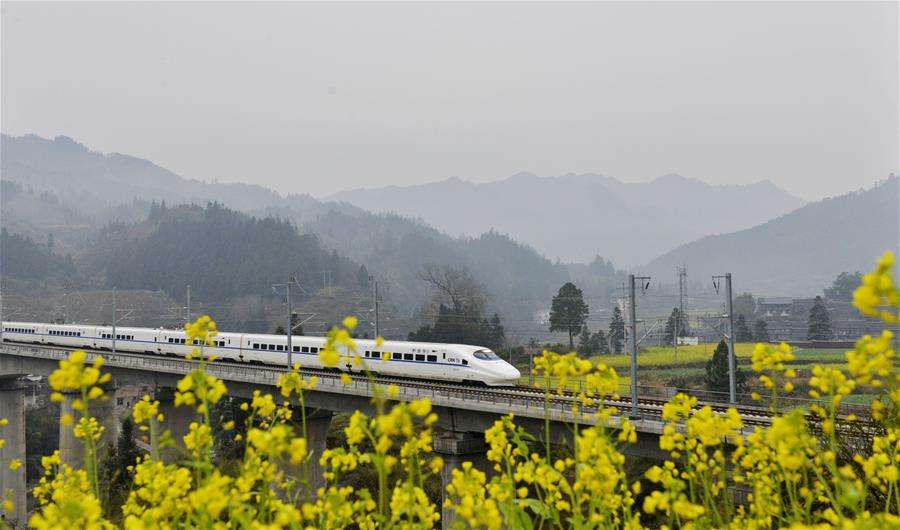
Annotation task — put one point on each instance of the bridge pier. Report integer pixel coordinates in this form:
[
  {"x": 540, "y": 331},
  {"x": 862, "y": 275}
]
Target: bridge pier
[
  {"x": 318, "y": 422},
  {"x": 12, "y": 408},
  {"x": 71, "y": 449},
  {"x": 456, "y": 448},
  {"x": 177, "y": 420}
]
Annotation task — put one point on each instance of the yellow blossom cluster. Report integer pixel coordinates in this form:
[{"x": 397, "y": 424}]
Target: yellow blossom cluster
[
  {"x": 878, "y": 295},
  {"x": 807, "y": 469}
]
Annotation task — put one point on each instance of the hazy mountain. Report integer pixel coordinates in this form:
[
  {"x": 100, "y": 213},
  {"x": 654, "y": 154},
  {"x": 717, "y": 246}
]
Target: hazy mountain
[
  {"x": 93, "y": 180},
  {"x": 55, "y": 186},
  {"x": 801, "y": 252},
  {"x": 575, "y": 217}
]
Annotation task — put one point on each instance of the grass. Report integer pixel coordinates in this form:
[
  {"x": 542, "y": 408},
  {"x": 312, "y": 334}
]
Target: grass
[
  {"x": 665, "y": 356},
  {"x": 659, "y": 365}
]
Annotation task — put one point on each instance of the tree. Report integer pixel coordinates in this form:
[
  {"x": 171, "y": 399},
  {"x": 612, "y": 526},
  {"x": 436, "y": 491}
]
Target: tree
[
  {"x": 362, "y": 277},
  {"x": 843, "y": 286},
  {"x": 741, "y": 330},
  {"x": 617, "y": 331},
  {"x": 676, "y": 319},
  {"x": 599, "y": 344},
  {"x": 584, "y": 342},
  {"x": 760, "y": 331},
  {"x": 716, "y": 378},
  {"x": 117, "y": 467},
  {"x": 568, "y": 311},
  {"x": 496, "y": 334},
  {"x": 819, "y": 322},
  {"x": 744, "y": 304}
]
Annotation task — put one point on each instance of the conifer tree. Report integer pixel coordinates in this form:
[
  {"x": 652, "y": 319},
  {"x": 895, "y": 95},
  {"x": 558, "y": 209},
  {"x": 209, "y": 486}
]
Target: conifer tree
[
  {"x": 761, "y": 331},
  {"x": 819, "y": 323},
  {"x": 716, "y": 378},
  {"x": 617, "y": 331},
  {"x": 568, "y": 311}
]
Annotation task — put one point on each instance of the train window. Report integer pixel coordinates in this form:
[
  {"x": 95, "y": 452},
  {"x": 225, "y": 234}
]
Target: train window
[
  {"x": 407, "y": 356},
  {"x": 304, "y": 349},
  {"x": 420, "y": 357},
  {"x": 432, "y": 358},
  {"x": 296, "y": 348},
  {"x": 272, "y": 347},
  {"x": 313, "y": 349},
  {"x": 398, "y": 356},
  {"x": 445, "y": 355},
  {"x": 255, "y": 346},
  {"x": 182, "y": 341},
  {"x": 485, "y": 355},
  {"x": 465, "y": 362},
  {"x": 170, "y": 340},
  {"x": 280, "y": 347}
]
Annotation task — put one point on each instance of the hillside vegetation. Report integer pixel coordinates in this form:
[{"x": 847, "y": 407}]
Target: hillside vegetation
[{"x": 800, "y": 252}]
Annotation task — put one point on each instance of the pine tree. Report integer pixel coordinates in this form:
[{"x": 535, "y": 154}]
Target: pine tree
[
  {"x": 741, "y": 330},
  {"x": 716, "y": 378},
  {"x": 761, "y": 331},
  {"x": 675, "y": 320},
  {"x": 599, "y": 343},
  {"x": 585, "y": 347},
  {"x": 568, "y": 311},
  {"x": 819, "y": 322},
  {"x": 617, "y": 331},
  {"x": 362, "y": 277}
]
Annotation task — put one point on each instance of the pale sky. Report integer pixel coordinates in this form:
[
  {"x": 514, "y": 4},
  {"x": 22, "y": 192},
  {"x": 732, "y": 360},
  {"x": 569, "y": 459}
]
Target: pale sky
[{"x": 319, "y": 98}]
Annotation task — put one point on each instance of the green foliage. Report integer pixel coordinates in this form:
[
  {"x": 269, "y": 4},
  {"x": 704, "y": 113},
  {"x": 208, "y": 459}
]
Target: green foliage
[
  {"x": 42, "y": 428},
  {"x": 617, "y": 331},
  {"x": 741, "y": 329},
  {"x": 716, "y": 377},
  {"x": 675, "y": 320},
  {"x": 222, "y": 254},
  {"x": 568, "y": 311},
  {"x": 744, "y": 304},
  {"x": 843, "y": 286},
  {"x": 592, "y": 343},
  {"x": 116, "y": 477},
  {"x": 24, "y": 259},
  {"x": 457, "y": 326},
  {"x": 760, "y": 331},
  {"x": 819, "y": 322}
]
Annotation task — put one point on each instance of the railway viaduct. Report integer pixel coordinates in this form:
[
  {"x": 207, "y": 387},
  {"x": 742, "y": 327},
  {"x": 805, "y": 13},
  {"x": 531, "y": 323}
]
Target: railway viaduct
[{"x": 464, "y": 412}]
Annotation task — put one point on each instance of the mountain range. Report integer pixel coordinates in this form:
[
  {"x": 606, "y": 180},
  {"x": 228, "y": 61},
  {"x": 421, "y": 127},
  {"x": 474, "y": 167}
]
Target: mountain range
[
  {"x": 502, "y": 231},
  {"x": 576, "y": 217},
  {"x": 800, "y": 252}
]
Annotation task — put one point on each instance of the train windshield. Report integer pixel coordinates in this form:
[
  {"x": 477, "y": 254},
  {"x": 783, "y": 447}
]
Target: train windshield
[{"x": 485, "y": 355}]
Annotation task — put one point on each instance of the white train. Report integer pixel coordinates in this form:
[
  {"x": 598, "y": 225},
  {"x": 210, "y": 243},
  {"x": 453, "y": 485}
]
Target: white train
[{"x": 421, "y": 360}]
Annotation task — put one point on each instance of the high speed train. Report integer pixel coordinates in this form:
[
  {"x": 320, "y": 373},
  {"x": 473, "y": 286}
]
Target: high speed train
[{"x": 421, "y": 360}]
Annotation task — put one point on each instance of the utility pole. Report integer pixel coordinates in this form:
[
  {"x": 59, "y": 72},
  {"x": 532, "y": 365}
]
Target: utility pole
[
  {"x": 188, "y": 306},
  {"x": 375, "y": 302},
  {"x": 289, "y": 329},
  {"x": 732, "y": 390},
  {"x": 115, "y": 313},
  {"x": 632, "y": 315},
  {"x": 681, "y": 273}
]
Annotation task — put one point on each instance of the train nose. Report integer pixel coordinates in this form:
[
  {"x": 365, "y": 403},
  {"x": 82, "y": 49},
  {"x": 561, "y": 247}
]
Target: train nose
[{"x": 510, "y": 373}]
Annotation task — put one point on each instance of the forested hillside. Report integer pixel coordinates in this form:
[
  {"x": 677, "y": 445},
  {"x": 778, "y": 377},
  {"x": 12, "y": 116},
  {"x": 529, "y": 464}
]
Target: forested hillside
[
  {"x": 221, "y": 253},
  {"x": 518, "y": 280},
  {"x": 801, "y": 252},
  {"x": 22, "y": 258}
]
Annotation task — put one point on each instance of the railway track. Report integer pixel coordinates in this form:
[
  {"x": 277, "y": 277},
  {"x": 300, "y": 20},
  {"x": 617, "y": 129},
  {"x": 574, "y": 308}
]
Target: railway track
[{"x": 647, "y": 406}]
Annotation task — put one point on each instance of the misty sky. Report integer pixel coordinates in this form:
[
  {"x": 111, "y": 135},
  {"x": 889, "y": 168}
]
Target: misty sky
[{"x": 319, "y": 98}]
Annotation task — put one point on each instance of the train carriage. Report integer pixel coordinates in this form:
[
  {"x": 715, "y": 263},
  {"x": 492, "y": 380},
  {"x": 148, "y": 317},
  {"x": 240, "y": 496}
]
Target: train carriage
[{"x": 420, "y": 360}]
